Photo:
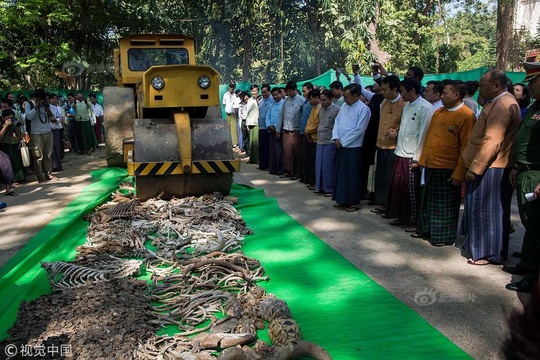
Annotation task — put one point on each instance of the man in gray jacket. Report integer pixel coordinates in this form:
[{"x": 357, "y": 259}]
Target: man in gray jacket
[{"x": 41, "y": 139}]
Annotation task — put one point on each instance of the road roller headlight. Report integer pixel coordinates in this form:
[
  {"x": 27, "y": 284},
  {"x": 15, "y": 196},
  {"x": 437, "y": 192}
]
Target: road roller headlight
[
  {"x": 204, "y": 82},
  {"x": 158, "y": 83}
]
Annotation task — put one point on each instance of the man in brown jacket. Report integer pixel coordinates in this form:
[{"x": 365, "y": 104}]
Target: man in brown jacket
[
  {"x": 390, "y": 119},
  {"x": 486, "y": 219}
]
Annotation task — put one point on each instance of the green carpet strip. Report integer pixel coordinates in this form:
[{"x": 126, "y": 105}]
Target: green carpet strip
[{"x": 336, "y": 305}]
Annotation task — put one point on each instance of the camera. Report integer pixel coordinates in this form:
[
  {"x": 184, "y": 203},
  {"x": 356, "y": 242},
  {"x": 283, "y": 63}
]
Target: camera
[
  {"x": 12, "y": 128},
  {"x": 44, "y": 103}
]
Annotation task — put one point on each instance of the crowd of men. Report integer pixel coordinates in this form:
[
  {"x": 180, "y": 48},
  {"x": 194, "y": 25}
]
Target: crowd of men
[
  {"x": 35, "y": 133},
  {"x": 415, "y": 152}
]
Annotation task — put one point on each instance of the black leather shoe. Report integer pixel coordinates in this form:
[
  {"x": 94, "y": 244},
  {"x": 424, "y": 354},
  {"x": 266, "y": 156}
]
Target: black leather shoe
[
  {"x": 520, "y": 286},
  {"x": 514, "y": 270},
  {"x": 448, "y": 243}
]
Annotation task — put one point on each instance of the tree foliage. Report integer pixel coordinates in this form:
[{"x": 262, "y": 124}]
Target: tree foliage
[{"x": 259, "y": 40}]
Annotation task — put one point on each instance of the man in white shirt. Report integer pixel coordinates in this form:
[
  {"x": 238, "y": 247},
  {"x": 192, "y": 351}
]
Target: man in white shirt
[
  {"x": 251, "y": 135},
  {"x": 231, "y": 110},
  {"x": 433, "y": 93},
  {"x": 57, "y": 126},
  {"x": 348, "y": 135},
  {"x": 98, "y": 112},
  {"x": 404, "y": 192}
]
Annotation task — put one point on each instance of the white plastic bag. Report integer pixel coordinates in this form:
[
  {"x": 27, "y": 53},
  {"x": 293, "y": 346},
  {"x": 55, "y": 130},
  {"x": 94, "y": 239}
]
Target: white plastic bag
[{"x": 25, "y": 154}]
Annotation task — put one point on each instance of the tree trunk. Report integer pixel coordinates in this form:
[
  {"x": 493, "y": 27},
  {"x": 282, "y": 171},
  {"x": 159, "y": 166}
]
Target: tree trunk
[
  {"x": 381, "y": 56},
  {"x": 505, "y": 20},
  {"x": 247, "y": 56},
  {"x": 314, "y": 25},
  {"x": 425, "y": 12},
  {"x": 281, "y": 52},
  {"x": 317, "y": 54}
]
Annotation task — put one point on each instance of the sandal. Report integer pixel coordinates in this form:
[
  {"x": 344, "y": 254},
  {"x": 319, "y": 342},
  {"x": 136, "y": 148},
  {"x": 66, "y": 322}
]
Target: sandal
[
  {"x": 11, "y": 193},
  {"x": 410, "y": 229},
  {"x": 339, "y": 205},
  {"x": 378, "y": 211},
  {"x": 396, "y": 222},
  {"x": 418, "y": 235},
  {"x": 327, "y": 194},
  {"x": 480, "y": 262},
  {"x": 318, "y": 191},
  {"x": 352, "y": 208}
]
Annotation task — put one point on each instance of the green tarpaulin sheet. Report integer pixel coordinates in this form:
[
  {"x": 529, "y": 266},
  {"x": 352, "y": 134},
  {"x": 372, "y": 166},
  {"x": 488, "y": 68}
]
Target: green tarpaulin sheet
[{"x": 335, "y": 304}]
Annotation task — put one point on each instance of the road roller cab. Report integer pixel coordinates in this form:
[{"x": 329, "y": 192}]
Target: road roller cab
[{"x": 163, "y": 119}]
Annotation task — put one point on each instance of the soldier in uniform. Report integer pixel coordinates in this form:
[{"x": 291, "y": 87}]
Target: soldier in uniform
[{"x": 526, "y": 178}]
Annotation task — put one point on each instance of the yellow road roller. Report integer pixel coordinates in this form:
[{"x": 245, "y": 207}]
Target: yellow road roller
[{"x": 163, "y": 120}]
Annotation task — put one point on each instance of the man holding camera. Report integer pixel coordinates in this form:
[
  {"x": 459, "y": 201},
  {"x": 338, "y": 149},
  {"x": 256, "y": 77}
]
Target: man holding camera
[
  {"x": 41, "y": 139},
  {"x": 7, "y": 130},
  {"x": 9, "y": 141}
]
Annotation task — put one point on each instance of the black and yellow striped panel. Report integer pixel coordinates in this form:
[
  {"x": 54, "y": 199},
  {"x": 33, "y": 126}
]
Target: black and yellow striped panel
[{"x": 175, "y": 168}]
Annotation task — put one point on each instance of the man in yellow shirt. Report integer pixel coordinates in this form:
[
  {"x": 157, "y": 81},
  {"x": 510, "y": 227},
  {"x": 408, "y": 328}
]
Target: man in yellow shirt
[
  {"x": 442, "y": 167},
  {"x": 310, "y": 134}
]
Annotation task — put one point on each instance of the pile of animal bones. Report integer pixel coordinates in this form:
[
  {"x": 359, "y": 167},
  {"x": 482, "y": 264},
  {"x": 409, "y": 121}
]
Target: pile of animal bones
[{"x": 200, "y": 284}]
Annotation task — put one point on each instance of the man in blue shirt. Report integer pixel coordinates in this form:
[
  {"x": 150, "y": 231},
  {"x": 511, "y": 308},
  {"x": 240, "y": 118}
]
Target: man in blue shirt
[
  {"x": 264, "y": 103},
  {"x": 275, "y": 146},
  {"x": 288, "y": 128}
]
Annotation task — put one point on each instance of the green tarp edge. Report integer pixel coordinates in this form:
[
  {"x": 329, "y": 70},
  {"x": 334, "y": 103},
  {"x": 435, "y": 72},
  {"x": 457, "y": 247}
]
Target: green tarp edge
[{"x": 335, "y": 304}]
